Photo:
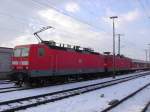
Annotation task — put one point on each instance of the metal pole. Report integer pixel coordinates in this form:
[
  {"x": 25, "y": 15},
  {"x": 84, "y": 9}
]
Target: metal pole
[
  {"x": 119, "y": 43},
  {"x": 114, "y": 65},
  {"x": 149, "y": 52},
  {"x": 146, "y": 54}
]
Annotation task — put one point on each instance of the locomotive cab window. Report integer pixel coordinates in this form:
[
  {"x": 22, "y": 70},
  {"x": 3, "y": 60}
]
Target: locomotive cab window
[
  {"x": 41, "y": 52},
  {"x": 21, "y": 52},
  {"x": 17, "y": 52},
  {"x": 25, "y": 52}
]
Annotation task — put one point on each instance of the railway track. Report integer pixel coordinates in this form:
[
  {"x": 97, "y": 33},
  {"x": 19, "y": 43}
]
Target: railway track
[
  {"x": 11, "y": 89},
  {"x": 23, "y": 103},
  {"x": 146, "y": 108},
  {"x": 7, "y": 88},
  {"x": 108, "y": 109},
  {"x": 6, "y": 82}
]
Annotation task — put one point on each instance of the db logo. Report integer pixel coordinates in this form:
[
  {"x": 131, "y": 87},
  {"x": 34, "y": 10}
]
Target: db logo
[{"x": 80, "y": 61}]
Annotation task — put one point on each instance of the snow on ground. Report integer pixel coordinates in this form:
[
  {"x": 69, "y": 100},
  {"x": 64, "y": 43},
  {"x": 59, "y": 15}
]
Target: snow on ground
[
  {"x": 24, "y": 93},
  {"x": 148, "y": 110},
  {"x": 92, "y": 101},
  {"x": 1, "y": 81},
  {"x": 7, "y": 85},
  {"x": 136, "y": 103}
]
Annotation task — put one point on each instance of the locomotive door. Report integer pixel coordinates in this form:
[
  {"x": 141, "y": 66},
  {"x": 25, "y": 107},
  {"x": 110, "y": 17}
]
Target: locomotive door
[{"x": 54, "y": 64}]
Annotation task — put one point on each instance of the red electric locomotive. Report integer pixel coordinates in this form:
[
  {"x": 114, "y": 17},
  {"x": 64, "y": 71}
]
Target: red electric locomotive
[
  {"x": 46, "y": 60},
  {"x": 49, "y": 60}
]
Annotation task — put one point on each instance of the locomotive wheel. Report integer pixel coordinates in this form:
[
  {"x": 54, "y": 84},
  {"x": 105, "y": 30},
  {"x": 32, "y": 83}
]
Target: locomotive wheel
[{"x": 20, "y": 81}]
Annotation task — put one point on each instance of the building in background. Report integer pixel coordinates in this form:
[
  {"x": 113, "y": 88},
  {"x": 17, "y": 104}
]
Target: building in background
[{"x": 5, "y": 61}]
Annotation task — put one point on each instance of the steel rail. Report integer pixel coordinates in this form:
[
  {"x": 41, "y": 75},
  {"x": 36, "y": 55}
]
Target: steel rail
[
  {"x": 8, "y": 106},
  {"x": 146, "y": 107},
  {"x": 7, "y": 88},
  {"x": 20, "y": 89},
  {"x": 125, "y": 98}
]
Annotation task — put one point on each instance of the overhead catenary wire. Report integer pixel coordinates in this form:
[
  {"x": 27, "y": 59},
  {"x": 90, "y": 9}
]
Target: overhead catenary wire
[
  {"x": 24, "y": 20},
  {"x": 66, "y": 14},
  {"x": 69, "y": 15},
  {"x": 16, "y": 17},
  {"x": 147, "y": 2},
  {"x": 144, "y": 8}
]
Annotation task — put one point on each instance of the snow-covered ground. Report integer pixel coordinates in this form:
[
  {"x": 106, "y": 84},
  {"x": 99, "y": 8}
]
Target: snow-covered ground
[
  {"x": 136, "y": 103},
  {"x": 1, "y": 81},
  {"x": 25, "y": 93},
  {"x": 93, "y": 102},
  {"x": 7, "y": 85},
  {"x": 148, "y": 110}
]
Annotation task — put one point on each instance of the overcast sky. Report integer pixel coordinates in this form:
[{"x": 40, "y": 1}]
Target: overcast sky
[{"x": 80, "y": 22}]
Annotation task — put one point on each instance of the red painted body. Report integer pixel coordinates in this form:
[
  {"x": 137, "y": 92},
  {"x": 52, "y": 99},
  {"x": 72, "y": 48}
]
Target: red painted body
[
  {"x": 42, "y": 60},
  {"x": 121, "y": 63},
  {"x": 59, "y": 61},
  {"x": 139, "y": 64}
]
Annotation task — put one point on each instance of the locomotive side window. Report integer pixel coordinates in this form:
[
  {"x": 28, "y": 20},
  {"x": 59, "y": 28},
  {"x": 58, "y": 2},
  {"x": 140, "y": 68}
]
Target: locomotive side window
[{"x": 41, "y": 52}]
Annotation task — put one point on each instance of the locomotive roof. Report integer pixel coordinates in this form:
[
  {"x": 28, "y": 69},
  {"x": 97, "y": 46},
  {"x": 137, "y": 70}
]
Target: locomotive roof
[
  {"x": 27, "y": 45},
  {"x": 139, "y": 61},
  {"x": 119, "y": 56},
  {"x": 66, "y": 47}
]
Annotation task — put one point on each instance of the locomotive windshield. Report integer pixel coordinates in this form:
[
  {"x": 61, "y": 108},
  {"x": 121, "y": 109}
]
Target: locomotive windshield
[{"x": 21, "y": 52}]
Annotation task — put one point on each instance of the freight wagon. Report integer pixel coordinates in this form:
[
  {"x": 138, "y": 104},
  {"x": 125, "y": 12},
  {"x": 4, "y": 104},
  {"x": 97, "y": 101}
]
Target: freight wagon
[{"x": 5, "y": 61}]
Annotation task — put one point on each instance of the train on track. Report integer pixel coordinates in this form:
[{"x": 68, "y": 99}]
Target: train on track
[{"x": 48, "y": 61}]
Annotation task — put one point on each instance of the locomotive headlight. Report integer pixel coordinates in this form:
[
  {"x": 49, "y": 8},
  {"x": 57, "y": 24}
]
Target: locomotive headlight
[
  {"x": 27, "y": 67},
  {"x": 13, "y": 67},
  {"x": 14, "y": 62},
  {"x": 25, "y": 63}
]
